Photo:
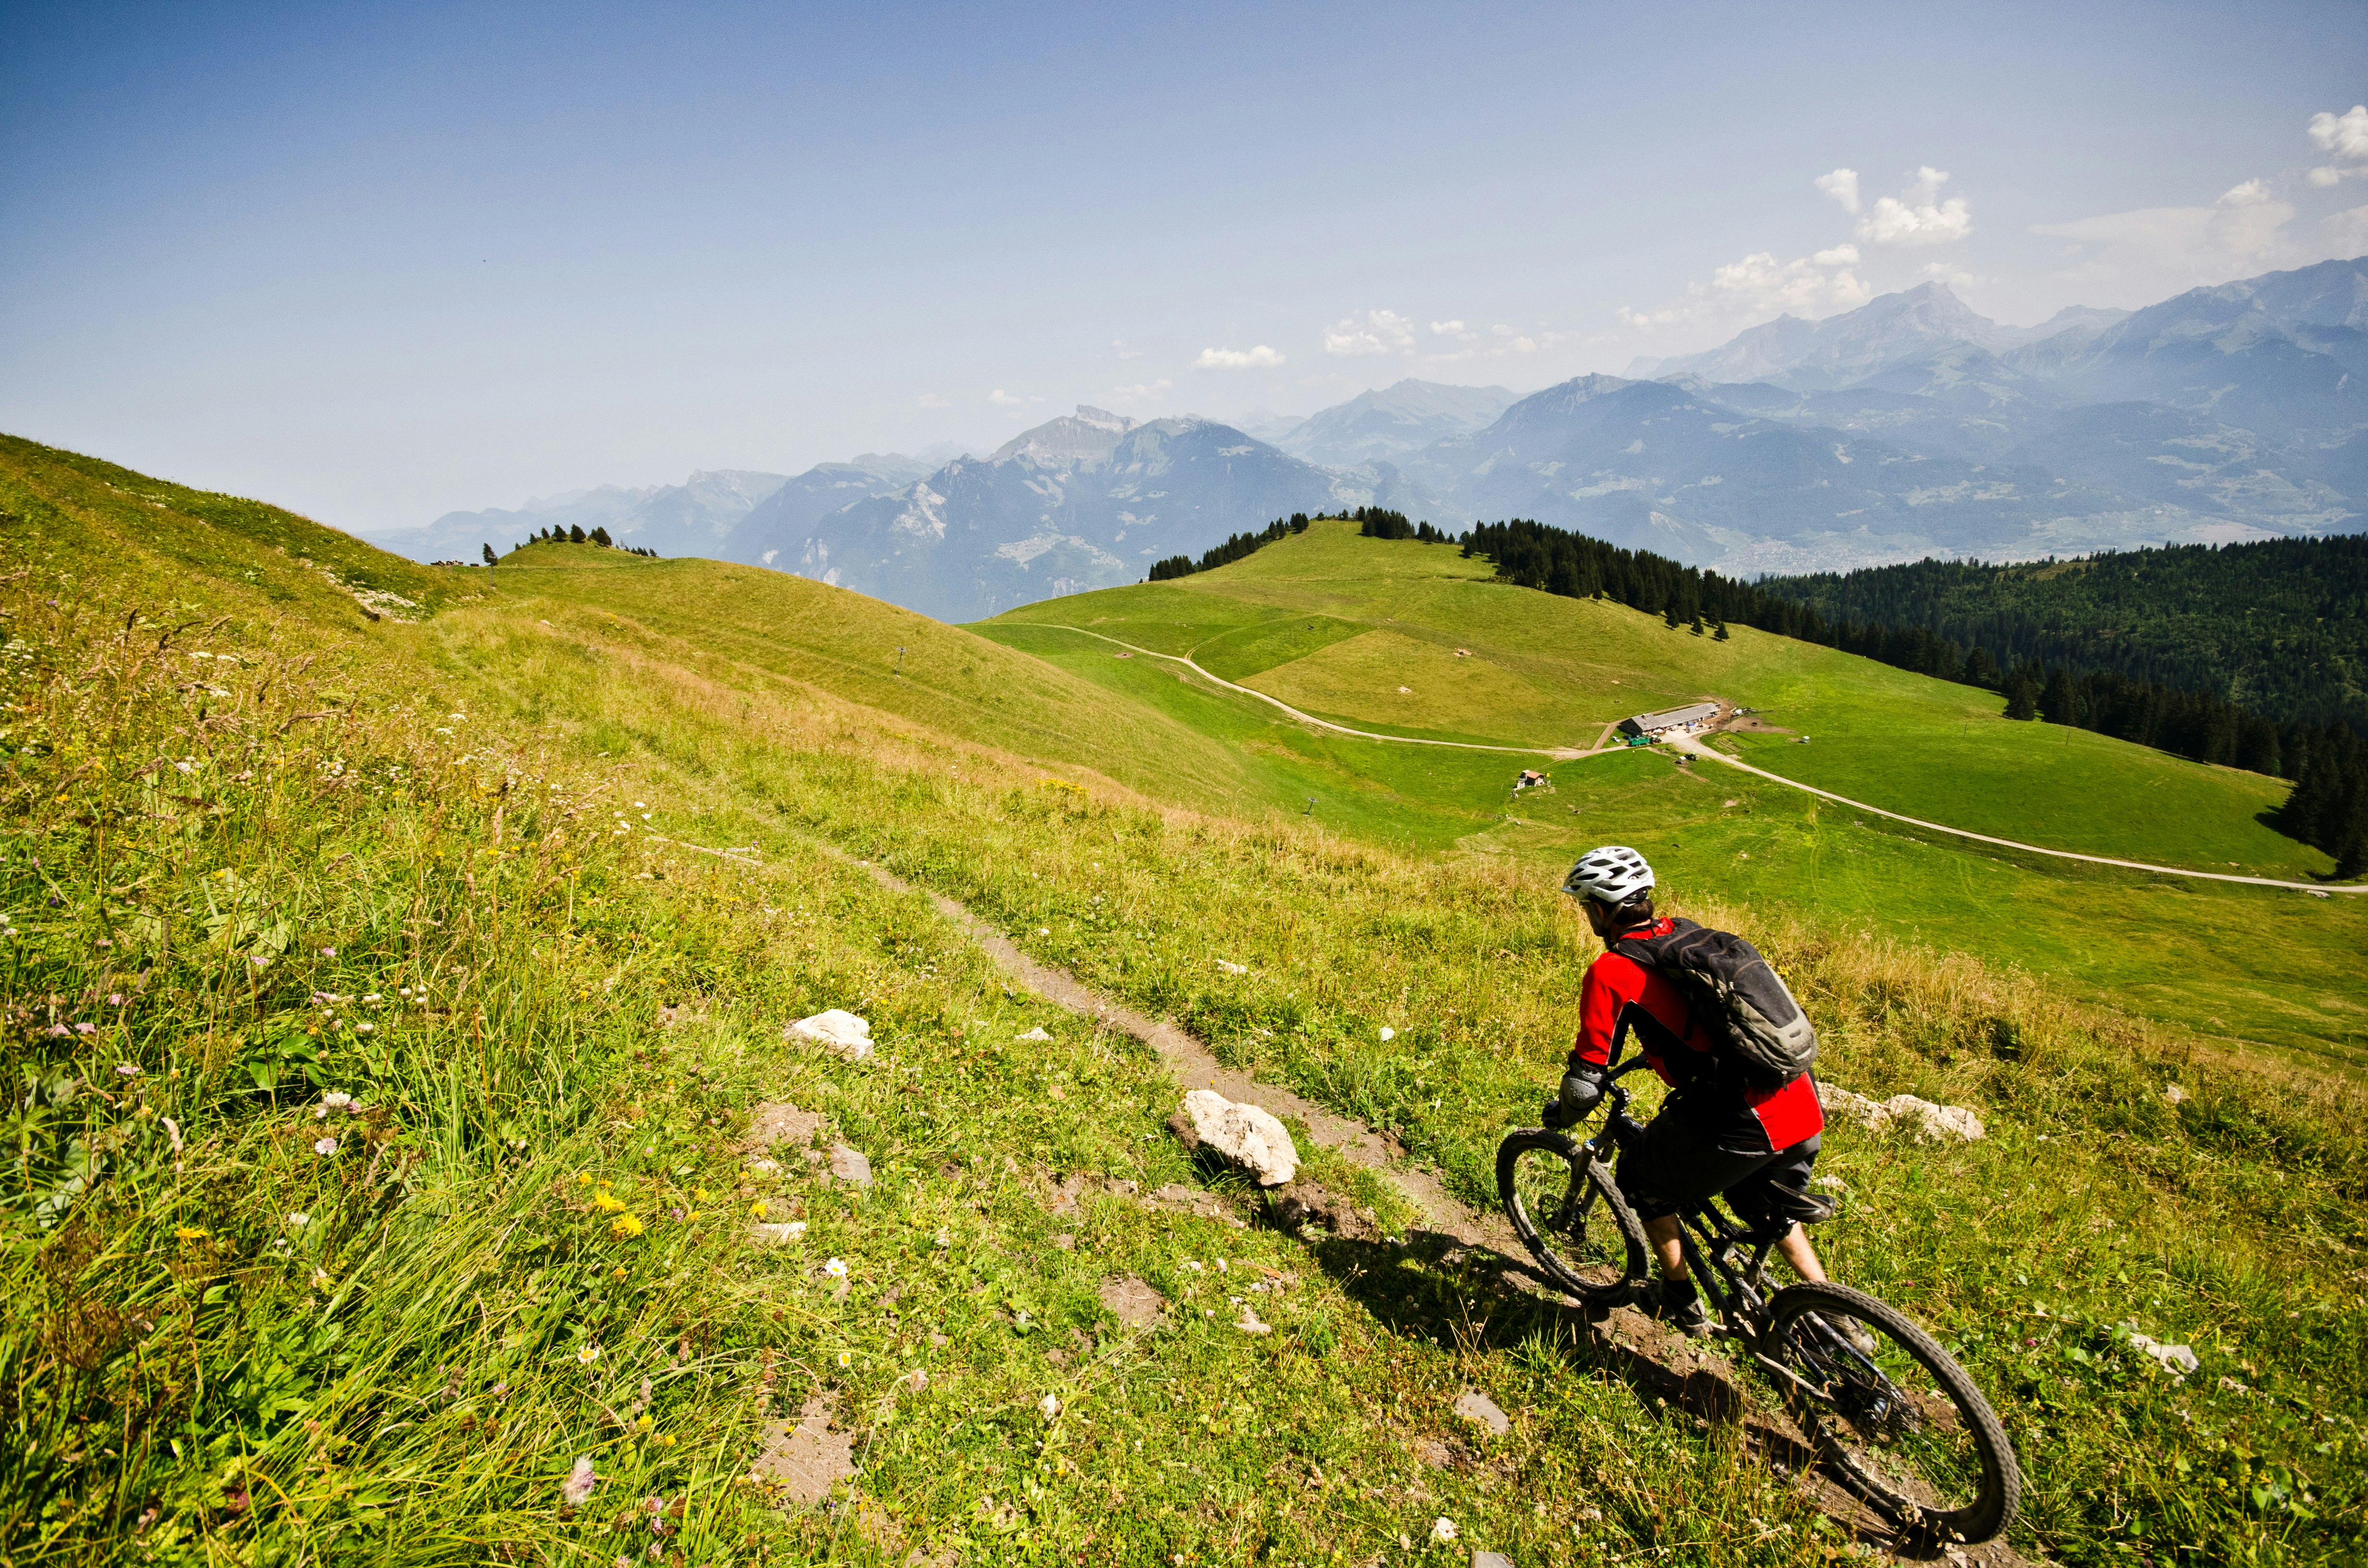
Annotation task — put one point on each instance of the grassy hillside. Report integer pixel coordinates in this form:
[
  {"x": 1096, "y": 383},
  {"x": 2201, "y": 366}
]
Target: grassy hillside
[
  {"x": 600, "y": 834},
  {"x": 1336, "y": 624}
]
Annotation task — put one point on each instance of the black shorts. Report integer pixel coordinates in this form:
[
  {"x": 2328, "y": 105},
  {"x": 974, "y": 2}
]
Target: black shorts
[{"x": 1677, "y": 1167}]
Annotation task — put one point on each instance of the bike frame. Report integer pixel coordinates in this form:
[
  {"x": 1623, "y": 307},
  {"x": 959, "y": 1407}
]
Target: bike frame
[{"x": 1711, "y": 1241}]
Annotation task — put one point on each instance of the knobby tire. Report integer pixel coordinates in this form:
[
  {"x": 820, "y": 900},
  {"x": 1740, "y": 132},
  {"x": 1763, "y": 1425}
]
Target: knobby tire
[
  {"x": 1885, "y": 1436},
  {"x": 1566, "y": 1209}
]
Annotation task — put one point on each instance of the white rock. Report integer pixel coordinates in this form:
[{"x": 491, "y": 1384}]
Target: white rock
[
  {"x": 1473, "y": 1405},
  {"x": 1233, "y": 967},
  {"x": 2175, "y": 1095},
  {"x": 1244, "y": 1134},
  {"x": 2179, "y": 1359},
  {"x": 849, "y": 1165},
  {"x": 1249, "y": 1323},
  {"x": 1930, "y": 1123},
  {"x": 1036, "y": 1033},
  {"x": 1491, "y": 1560},
  {"x": 838, "y": 1029},
  {"x": 774, "y": 1235}
]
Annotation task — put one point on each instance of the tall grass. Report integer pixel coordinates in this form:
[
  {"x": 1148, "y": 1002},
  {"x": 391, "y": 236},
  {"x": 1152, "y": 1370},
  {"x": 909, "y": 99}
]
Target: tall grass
[
  {"x": 2132, "y": 1175},
  {"x": 188, "y": 1373}
]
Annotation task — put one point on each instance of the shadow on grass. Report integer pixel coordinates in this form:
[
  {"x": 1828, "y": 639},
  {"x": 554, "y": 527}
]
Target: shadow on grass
[{"x": 1464, "y": 1297}]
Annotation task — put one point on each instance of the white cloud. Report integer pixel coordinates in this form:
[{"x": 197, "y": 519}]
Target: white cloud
[
  {"x": 1950, "y": 273},
  {"x": 1143, "y": 392},
  {"x": 1448, "y": 329},
  {"x": 1258, "y": 358},
  {"x": 1842, "y": 186},
  {"x": 2143, "y": 255},
  {"x": 1118, "y": 346},
  {"x": 2347, "y": 233},
  {"x": 931, "y": 400},
  {"x": 2346, "y": 137},
  {"x": 1759, "y": 285},
  {"x": 1756, "y": 284},
  {"x": 1525, "y": 345},
  {"x": 1921, "y": 218},
  {"x": 1381, "y": 332},
  {"x": 1002, "y": 399}
]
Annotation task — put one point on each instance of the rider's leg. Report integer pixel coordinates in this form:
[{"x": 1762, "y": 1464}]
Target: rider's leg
[
  {"x": 1663, "y": 1233},
  {"x": 1796, "y": 1250}
]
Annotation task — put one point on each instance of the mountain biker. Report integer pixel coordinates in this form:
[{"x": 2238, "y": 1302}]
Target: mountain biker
[{"x": 1715, "y": 1132}]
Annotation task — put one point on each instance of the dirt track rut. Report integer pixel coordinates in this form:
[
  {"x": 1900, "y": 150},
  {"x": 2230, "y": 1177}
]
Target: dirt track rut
[{"x": 1650, "y": 1356}]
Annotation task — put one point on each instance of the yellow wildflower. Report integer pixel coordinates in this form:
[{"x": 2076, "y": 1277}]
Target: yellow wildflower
[
  {"x": 607, "y": 1202},
  {"x": 188, "y": 1234},
  {"x": 624, "y": 1226},
  {"x": 757, "y": 1209},
  {"x": 699, "y": 1194},
  {"x": 643, "y": 1425},
  {"x": 583, "y": 1178}
]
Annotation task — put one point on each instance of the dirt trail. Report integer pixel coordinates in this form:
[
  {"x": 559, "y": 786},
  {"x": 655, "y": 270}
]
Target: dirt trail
[
  {"x": 1557, "y": 753},
  {"x": 1693, "y": 747},
  {"x": 1649, "y": 1355},
  {"x": 1197, "y": 1068}
]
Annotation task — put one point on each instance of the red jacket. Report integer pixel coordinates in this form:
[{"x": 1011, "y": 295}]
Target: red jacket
[{"x": 1621, "y": 993}]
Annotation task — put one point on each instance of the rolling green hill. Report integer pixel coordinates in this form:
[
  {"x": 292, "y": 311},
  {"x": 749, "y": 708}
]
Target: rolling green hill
[
  {"x": 391, "y": 998},
  {"x": 1336, "y": 624}
]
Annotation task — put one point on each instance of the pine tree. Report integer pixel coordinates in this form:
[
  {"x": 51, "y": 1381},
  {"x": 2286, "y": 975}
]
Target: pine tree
[
  {"x": 1697, "y": 627},
  {"x": 2022, "y": 697},
  {"x": 1719, "y": 635},
  {"x": 1669, "y": 615},
  {"x": 575, "y": 533},
  {"x": 600, "y": 538},
  {"x": 491, "y": 559},
  {"x": 2058, "y": 702}
]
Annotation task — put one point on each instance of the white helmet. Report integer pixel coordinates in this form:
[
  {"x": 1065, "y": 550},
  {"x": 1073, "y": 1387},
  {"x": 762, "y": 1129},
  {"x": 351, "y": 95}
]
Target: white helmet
[{"x": 1612, "y": 875}]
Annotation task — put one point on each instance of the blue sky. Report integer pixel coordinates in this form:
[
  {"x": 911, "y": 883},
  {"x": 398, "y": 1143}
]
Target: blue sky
[{"x": 378, "y": 262}]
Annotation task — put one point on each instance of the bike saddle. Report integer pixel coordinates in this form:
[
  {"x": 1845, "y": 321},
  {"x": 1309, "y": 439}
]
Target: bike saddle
[
  {"x": 1773, "y": 1213},
  {"x": 1806, "y": 1208}
]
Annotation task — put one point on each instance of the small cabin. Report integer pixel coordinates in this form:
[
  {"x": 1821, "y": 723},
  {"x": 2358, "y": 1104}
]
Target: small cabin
[{"x": 1652, "y": 726}]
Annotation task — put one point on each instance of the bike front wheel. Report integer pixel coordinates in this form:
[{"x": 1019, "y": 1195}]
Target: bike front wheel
[
  {"x": 1895, "y": 1415},
  {"x": 1566, "y": 1210}
]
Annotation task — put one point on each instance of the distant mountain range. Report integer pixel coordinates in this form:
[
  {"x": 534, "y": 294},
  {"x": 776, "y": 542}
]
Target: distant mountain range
[{"x": 1910, "y": 426}]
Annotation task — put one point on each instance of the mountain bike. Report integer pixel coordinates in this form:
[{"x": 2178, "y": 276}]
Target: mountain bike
[{"x": 1902, "y": 1425}]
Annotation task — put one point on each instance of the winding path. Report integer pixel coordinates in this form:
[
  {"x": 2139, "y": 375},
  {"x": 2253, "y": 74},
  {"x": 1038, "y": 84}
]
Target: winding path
[
  {"x": 1694, "y": 747},
  {"x": 1559, "y": 755}
]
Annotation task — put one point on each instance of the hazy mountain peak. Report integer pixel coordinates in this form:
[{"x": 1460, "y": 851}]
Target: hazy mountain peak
[
  {"x": 1393, "y": 421},
  {"x": 1084, "y": 439}
]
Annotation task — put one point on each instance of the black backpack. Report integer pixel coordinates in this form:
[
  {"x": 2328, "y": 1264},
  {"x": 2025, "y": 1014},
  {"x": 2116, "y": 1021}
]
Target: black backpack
[{"x": 1725, "y": 980}]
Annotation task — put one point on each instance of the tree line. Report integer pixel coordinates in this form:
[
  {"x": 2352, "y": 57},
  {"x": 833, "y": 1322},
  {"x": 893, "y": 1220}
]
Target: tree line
[
  {"x": 1232, "y": 550},
  {"x": 1380, "y": 522},
  {"x": 573, "y": 534},
  {"x": 2326, "y": 758}
]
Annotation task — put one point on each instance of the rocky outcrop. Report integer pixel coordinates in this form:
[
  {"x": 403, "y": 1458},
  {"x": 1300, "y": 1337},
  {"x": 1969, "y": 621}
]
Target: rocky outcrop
[{"x": 1927, "y": 1122}]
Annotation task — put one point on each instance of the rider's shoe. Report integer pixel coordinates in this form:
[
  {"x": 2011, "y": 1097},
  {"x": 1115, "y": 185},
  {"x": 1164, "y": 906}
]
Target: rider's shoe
[{"x": 1678, "y": 1304}]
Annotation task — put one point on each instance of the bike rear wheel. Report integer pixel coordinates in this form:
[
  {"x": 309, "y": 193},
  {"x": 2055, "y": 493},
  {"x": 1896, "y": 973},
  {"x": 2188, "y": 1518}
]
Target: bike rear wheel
[
  {"x": 1895, "y": 1415},
  {"x": 1566, "y": 1210}
]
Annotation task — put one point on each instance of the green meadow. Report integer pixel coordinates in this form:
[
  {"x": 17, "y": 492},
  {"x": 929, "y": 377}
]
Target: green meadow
[
  {"x": 505, "y": 894},
  {"x": 1337, "y": 625}
]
